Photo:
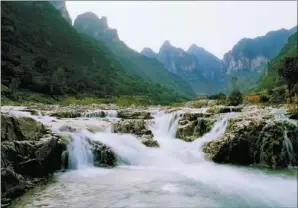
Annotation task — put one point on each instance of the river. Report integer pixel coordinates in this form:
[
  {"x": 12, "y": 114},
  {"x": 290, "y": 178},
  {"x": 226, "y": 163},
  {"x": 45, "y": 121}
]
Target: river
[{"x": 174, "y": 175}]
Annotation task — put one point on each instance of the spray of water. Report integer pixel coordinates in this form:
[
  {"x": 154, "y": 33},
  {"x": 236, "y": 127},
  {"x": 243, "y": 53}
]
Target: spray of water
[{"x": 80, "y": 155}]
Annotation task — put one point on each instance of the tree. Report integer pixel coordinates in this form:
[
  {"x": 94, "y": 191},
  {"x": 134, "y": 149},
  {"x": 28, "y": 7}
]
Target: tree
[
  {"x": 290, "y": 72},
  {"x": 235, "y": 98}
]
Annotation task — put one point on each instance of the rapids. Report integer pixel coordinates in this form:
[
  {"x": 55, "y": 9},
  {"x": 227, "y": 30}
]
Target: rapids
[{"x": 174, "y": 175}]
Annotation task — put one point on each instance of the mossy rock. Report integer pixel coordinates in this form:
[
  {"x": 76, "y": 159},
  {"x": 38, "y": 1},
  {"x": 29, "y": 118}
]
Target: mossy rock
[
  {"x": 193, "y": 128},
  {"x": 126, "y": 114},
  {"x": 20, "y": 128}
]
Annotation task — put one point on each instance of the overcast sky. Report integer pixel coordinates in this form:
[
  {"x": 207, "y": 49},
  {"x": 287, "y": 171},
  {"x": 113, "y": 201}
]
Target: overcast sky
[{"x": 215, "y": 26}]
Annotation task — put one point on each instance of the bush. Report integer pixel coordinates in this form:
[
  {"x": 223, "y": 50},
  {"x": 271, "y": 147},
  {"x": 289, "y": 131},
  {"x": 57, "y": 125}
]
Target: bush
[
  {"x": 253, "y": 98},
  {"x": 68, "y": 101},
  {"x": 219, "y": 96},
  {"x": 264, "y": 98},
  {"x": 279, "y": 95},
  {"x": 235, "y": 98}
]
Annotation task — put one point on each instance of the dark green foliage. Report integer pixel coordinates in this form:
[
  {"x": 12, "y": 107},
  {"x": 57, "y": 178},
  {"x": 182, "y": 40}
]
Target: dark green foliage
[
  {"x": 290, "y": 72},
  {"x": 271, "y": 78},
  {"x": 264, "y": 98},
  {"x": 235, "y": 98},
  {"x": 42, "y": 53},
  {"x": 219, "y": 96},
  {"x": 279, "y": 95}
]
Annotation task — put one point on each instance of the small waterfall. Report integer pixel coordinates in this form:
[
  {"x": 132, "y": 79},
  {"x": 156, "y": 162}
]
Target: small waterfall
[
  {"x": 280, "y": 115},
  {"x": 80, "y": 155},
  {"x": 165, "y": 124},
  {"x": 217, "y": 131},
  {"x": 289, "y": 147}
]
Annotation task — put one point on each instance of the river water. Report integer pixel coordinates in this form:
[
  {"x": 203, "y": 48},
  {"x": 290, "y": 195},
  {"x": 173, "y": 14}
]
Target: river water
[{"x": 174, "y": 175}]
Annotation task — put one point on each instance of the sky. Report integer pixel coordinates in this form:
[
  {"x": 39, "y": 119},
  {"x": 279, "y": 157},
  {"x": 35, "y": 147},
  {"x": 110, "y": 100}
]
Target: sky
[{"x": 215, "y": 26}]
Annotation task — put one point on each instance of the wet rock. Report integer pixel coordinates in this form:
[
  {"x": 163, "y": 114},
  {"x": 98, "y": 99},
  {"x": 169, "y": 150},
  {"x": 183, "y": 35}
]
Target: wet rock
[
  {"x": 148, "y": 141},
  {"x": 127, "y": 114},
  {"x": 66, "y": 114},
  {"x": 132, "y": 126},
  {"x": 20, "y": 128},
  {"x": 137, "y": 127},
  {"x": 29, "y": 154},
  {"x": 67, "y": 128},
  {"x": 192, "y": 126},
  {"x": 12, "y": 184},
  {"x": 103, "y": 155},
  {"x": 258, "y": 140},
  {"x": 224, "y": 109}
]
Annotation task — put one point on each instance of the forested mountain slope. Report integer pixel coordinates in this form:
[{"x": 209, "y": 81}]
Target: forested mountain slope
[
  {"x": 133, "y": 62},
  {"x": 41, "y": 52}
]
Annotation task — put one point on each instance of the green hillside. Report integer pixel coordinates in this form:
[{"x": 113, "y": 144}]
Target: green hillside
[
  {"x": 42, "y": 53},
  {"x": 134, "y": 63},
  {"x": 270, "y": 78}
]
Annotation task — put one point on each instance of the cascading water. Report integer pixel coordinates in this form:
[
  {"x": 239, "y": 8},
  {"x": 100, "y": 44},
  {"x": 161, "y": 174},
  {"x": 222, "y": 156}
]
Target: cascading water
[
  {"x": 80, "y": 155},
  {"x": 289, "y": 148},
  {"x": 175, "y": 175}
]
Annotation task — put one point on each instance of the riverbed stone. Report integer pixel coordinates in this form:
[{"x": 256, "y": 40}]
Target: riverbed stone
[
  {"x": 255, "y": 140},
  {"x": 137, "y": 127},
  {"x": 131, "y": 114},
  {"x": 194, "y": 125},
  {"x": 20, "y": 128},
  {"x": 103, "y": 155},
  {"x": 224, "y": 109},
  {"x": 29, "y": 153}
]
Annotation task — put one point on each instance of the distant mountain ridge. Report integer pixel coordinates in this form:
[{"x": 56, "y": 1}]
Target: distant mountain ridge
[
  {"x": 135, "y": 63},
  {"x": 247, "y": 61}
]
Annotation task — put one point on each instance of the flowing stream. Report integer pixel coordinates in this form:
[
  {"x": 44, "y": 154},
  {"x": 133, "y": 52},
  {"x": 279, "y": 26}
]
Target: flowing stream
[{"x": 174, "y": 175}]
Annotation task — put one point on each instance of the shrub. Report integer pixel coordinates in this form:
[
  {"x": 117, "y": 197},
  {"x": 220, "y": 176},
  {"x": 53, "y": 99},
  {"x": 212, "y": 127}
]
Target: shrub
[
  {"x": 235, "y": 98},
  {"x": 279, "y": 95},
  {"x": 252, "y": 98},
  {"x": 264, "y": 98},
  {"x": 68, "y": 101}
]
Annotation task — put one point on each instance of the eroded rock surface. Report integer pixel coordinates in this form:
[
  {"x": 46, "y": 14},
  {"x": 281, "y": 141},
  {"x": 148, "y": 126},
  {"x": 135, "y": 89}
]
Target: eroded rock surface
[
  {"x": 137, "y": 127},
  {"x": 256, "y": 139},
  {"x": 30, "y": 153},
  {"x": 194, "y": 125}
]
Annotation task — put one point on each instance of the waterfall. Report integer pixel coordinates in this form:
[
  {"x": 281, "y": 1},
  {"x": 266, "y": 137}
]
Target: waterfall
[
  {"x": 289, "y": 147},
  {"x": 172, "y": 152},
  {"x": 80, "y": 155}
]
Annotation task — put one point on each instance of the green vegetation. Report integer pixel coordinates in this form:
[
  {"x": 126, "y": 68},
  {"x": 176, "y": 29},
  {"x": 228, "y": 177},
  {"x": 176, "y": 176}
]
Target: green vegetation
[
  {"x": 271, "y": 79},
  {"x": 44, "y": 59},
  {"x": 279, "y": 83},
  {"x": 235, "y": 98},
  {"x": 134, "y": 63}
]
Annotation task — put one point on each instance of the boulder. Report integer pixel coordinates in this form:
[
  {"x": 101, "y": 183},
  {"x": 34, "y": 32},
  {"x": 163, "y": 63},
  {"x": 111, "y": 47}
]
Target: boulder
[
  {"x": 103, "y": 155},
  {"x": 29, "y": 154},
  {"x": 20, "y": 128},
  {"x": 137, "y": 127},
  {"x": 148, "y": 141},
  {"x": 132, "y": 126},
  {"x": 127, "y": 114},
  {"x": 255, "y": 140},
  {"x": 193, "y": 126}
]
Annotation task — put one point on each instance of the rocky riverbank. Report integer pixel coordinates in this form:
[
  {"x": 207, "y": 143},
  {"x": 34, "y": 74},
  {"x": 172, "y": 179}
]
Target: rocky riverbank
[
  {"x": 34, "y": 141},
  {"x": 31, "y": 153}
]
